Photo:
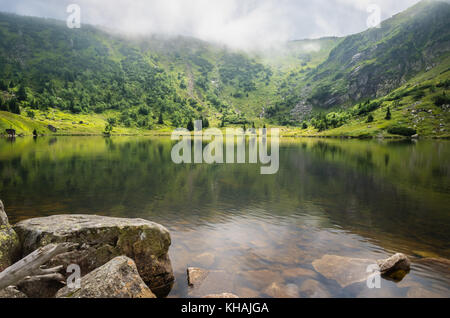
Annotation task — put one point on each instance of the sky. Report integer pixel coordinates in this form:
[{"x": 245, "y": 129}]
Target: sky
[{"x": 236, "y": 23}]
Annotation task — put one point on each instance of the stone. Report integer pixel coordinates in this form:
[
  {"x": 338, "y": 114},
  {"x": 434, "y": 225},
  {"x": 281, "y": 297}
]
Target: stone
[
  {"x": 9, "y": 242},
  {"x": 398, "y": 262},
  {"x": 223, "y": 295},
  {"x": 196, "y": 276},
  {"x": 119, "y": 278},
  {"x": 276, "y": 290},
  {"x": 12, "y": 292},
  {"x": 100, "y": 240},
  {"x": 344, "y": 270},
  {"x": 311, "y": 288}
]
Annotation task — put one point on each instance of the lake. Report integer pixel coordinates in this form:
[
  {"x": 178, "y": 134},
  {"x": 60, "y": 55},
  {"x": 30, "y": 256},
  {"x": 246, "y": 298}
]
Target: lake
[{"x": 258, "y": 234}]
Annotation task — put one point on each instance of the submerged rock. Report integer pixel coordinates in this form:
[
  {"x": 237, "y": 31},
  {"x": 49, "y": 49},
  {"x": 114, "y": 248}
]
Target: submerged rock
[
  {"x": 101, "y": 239},
  {"x": 196, "y": 276},
  {"x": 344, "y": 270},
  {"x": 9, "y": 242},
  {"x": 118, "y": 278}
]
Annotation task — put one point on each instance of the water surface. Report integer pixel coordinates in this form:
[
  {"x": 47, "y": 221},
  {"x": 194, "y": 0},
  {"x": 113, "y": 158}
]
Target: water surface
[{"x": 360, "y": 199}]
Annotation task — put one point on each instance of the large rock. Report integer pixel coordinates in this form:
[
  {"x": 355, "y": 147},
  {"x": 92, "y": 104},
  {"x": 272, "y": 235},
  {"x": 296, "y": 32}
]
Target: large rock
[
  {"x": 102, "y": 239},
  {"x": 9, "y": 242},
  {"x": 118, "y": 278}
]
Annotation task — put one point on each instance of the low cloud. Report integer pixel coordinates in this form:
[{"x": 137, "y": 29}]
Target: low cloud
[{"x": 245, "y": 24}]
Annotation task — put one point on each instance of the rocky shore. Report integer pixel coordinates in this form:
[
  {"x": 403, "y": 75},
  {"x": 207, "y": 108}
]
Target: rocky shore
[{"x": 116, "y": 257}]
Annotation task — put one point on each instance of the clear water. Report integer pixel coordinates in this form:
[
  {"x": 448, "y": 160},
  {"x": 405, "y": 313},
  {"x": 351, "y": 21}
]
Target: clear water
[{"x": 352, "y": 198}]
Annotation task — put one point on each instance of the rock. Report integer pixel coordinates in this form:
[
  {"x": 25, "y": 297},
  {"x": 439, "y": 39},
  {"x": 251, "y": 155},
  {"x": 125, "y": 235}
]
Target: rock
[
  {"x": 119, "y": 278},
  {"x": 9, "y": 242},
  {"x": 102, "y": 239},
  {"x": 313, "y": 289},
  {"x": 52, "y": 128},
  {"x": 398, "y": 262},
  {"x": 196, "y": 276},
  {"x": 416, "y": 136},
  {"x": 224, "y": 295},
  {"x": 276, "y": 290},
  {"x": 345, "y": 270},
  {"x": 11, "y": 292},
  {"x": 3, "y": 216},
  {"x": 298, "y": 272}
]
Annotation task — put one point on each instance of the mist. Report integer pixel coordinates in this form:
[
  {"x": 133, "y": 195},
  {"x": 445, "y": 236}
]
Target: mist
[{"x": 243, "y": 24}]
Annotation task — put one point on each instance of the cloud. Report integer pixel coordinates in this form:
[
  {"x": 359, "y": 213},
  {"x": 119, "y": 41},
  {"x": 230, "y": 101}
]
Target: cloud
[{"x": 237, "y": 23}]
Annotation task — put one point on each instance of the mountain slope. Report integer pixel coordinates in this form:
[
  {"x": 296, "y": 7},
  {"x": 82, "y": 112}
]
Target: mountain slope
[{"x": 373, "y": 63}]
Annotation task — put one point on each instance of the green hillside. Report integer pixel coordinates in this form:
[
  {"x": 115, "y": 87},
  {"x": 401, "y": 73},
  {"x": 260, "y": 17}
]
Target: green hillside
[{"x": 84, "y": 80}]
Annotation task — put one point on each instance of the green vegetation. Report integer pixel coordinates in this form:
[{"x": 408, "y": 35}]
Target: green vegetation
[{"x": 86, "y": 81}]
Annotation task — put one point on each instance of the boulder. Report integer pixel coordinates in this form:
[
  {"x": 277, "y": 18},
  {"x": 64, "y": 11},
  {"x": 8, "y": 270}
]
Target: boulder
[
  {"x": 11, "y": 292},
  {"x": 344, "y": 270},
  {"x": 119, "y": 278},
  {"x": 9, "y": 242},
  {"x": 397, "y": 263},
  {"x": 100, "y": 240}
]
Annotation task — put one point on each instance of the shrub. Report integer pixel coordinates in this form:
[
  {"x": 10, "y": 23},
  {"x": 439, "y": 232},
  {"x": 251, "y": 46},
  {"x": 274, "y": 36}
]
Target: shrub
[
  {"x": 402, "y": 131},
  {"x": 370, "y": 119},
  {"x": 441, "y": 100}
]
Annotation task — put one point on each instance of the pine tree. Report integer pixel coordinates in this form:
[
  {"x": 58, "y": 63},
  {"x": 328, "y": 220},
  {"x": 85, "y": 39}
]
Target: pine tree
[
  {"x": 190, "y": 125},
  {"x": 14, "y": 106},
  {"x": 370, "y": 118},
  {"x": 160, "y": 120},
  {"x": 3, "y": 86},
  {"x": 22, "y": 93},
  {"x": 205, "y": 123},
  {"x": 388, "y": 114}
]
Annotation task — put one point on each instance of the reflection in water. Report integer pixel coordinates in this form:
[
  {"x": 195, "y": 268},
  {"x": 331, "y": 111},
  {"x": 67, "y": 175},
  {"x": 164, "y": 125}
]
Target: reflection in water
[{"x": 260, "y": 233}]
